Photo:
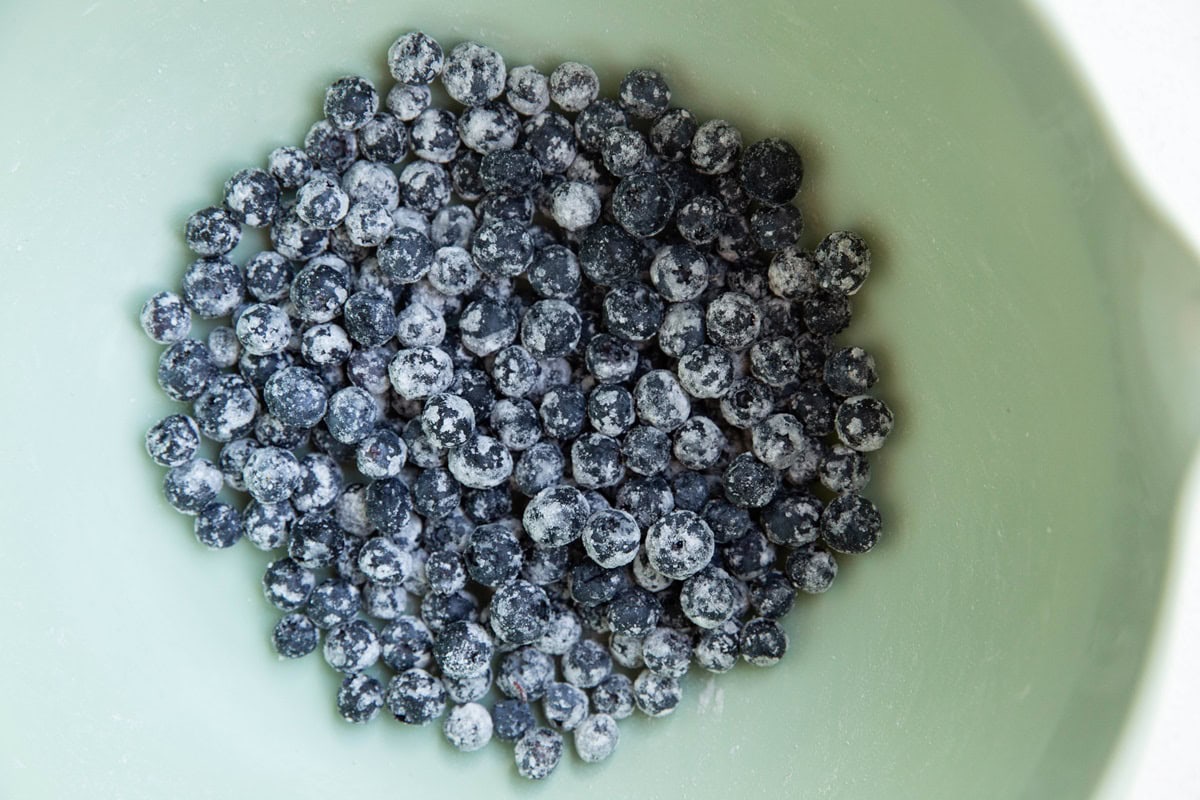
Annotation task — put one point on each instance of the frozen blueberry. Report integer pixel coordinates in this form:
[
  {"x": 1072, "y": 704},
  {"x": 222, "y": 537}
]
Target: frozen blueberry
[
  {"x": 698, "y": 219},
  {"x": 610, "y": 409},
  {"x": 748, "y": 482},
  {"x": 772, "y": 595},
  {"x": 489, "y": 127},
  {"x": 609, "y": 256},
  {"x": 706, "y": 372},
  {"x": 452, "y": 226},
  {"x": 424, "y": 187},
  {"x": 486, "y": 326},
  {"x": 406, "y": 644},
  {"x": 192, "y": 485},
  {"x": 525, "y": 673},
  {"x": 656, "y": 695},
  {"x": 473, "y": 74},
  {"x": 421, "y": 451},
  {"x": 793, "y": 518},
  {"x": 268, "y": 276},
  {"x": 679, "y": 544},
  {"x": 771, "y": 171},
  {"x": 383, "y": 138},
  {"x": 509, "y": 172},
  {"x": 331, "y": 148},
  {"x": 667, "y": 652},
  {"x": 514, "y": 372},
  {"x": 448, "y": 420},
  {"x": 420, "y": 372},
  {"x": 564, "y": 706},
  {"x": 850, "y": 524},
  {"x": 716, "y": 146},
  {"x": 573, "y": 86},
  {"x": 556, "y": 516},
  {"x": 213, "y": 287},
  {"x": 360, "y": 697},
  {"x": 762, "y": 642},
  {"x": 263, "y": 329},
  {"x": 850, "y": 371},
  {"x": 842, "y": 262},
  {"x": 468, "y": 727},
  {"x": 562, "y": 411},
  {"x": 689, "y": 489},
  {"x": 554, "y": 272},
  {"x": 452, "y": 272},
  {"x": 436, "y": 494},
  {"x": 351, "y": 415},
  {"x": 776, "y": 361},
  {"x": 415, "y": 58},
  {"x": 212, "y": 231},
  {"x": 776, "y": 227},
  {"x": 439, "y": 610},
  {"x": 609, "y": 359},
  {"x": 709, "y": 597},
  {"x": 480, "y": 463},
  {"x": 173, "y": 440},
  {"x": 747, "y": 403},
  {"x": 863, "y": 423},
  {"x": 598, "y": 117},
  {"x": 733, "y": 321},
  {"x": 445, "y": 572},
  {"x": 502, "y": 248},
  {"x": 814, "y": 406},
  {"x": 778, "y": 441},
  {"x": 623, "y": 150},
  {"x": 226, "y": 408},
  {"x": 165, "y": 318},
  {"x": 550, "y": 138},
  {"x": 388, "y": 505},
  {"x": 811, "y": 569},
  {"x": 717, "y": 649},
  {"x": 333, "y": 602},
  {"x": 596, "y": 461},
  {"x": 322, "y": 203},
  {"x": 749, "y": 556},
  {"x": 406, "y": 255},
  {"x": 223, "y": 347},
  {"x": 381, "y": 454},
  {"x": 792, "y": 273},
  {"x": 538, "y": 752},
  {"x": 550, "y": 329},
  {"x": 289, "y": 166},
  {"x": 644, "y": 94},
  {"x": 462, "y": 649},
  {"x": 252, "y": 197},
  {"x": 232, "y": 460},
  {"x": 661, "y": 401},
  {"x": 434, "y": 135},
  {"x": 218, "y": 526},
  {"x": 296, "y": 397},
  {"x": 633, "y": 311},
  {"x": 318, "y": 292},
  {"x": 295, "y": 636},
  {"x": 294, "y": 238},
  {"x": 613, "y": 696},
  {"x": 591, "y": 585},
  {"x": 493, "y": 556},
  {"x": 415, "y": 697},
  {"x": 511, "y": 719},
  {"x": 679, "y": 273},
  {"x": 586, "y": 664},
  {"x": 350, "y": 102},
  {"x": 646, "y": 450},
  {"x": 519, "y": 612},
  {"x": 271, "y": 474},
  {"x": 682, "y": 329},
  {"x": 315, "y": 541},
  {"x": 384, "y": 562},
  {"x": 633, "y": 612},
  {"x": 825, "y": 313},
  {"x": 351, "y": 647},
  {"x": 266, "y": 524},
  {"x": 643, "y": 204},
  {"x": 538, "y": 468},
  {"x": 844, "y": 470},
  {"x": 527, "y": 90}
]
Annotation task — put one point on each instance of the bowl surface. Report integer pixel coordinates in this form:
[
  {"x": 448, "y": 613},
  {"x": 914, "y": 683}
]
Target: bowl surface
[{"x": 1026, "y": 310}]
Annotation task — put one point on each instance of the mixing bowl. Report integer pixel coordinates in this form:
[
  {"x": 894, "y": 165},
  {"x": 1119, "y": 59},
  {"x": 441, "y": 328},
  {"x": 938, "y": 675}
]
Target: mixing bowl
[{"x": 1031, "y": 317}]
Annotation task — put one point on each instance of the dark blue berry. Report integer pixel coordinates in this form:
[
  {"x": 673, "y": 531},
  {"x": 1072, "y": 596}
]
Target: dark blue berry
[
  {"x": 296, "y": 397},
  {"x": 295, "y": 636},
  {"x": 360, "y": 698},
  {"x": 511, "y": 719},
  {"x": 173, "y": 440}
]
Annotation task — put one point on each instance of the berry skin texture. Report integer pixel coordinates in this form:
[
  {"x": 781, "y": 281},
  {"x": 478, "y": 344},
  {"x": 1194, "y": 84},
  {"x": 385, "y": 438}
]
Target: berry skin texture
[
  {"x": 679, "y": 544},
  {"x": 415, "y": 58},
  {"x": 360, "y": 698},
  {"x": 415, "y": 697},
  {"x": 165, "y": 318},
  {"x": 863, "y": 423},
  {"x": 850, "y": 524},
  {"x": 173, "y": 440},
  {"x": 843, "y": 262},
  {"x": 468, "y": 727},
  {"x": 771, "y": 171},
  {"x": 538, "y": 752},
  {"x": 556, "y": 516}
]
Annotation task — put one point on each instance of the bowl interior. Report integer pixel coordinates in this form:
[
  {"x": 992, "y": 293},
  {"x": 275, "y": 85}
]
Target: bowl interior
[{"x": 1021, "y": 311}]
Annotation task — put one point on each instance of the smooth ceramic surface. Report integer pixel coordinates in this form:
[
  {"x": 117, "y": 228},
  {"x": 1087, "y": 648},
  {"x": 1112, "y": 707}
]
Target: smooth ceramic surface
[{"x": 1028, "y": 314}]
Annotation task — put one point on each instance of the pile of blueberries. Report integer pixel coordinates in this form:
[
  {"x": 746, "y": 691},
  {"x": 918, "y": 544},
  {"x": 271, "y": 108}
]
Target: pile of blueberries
[{"x": 537, "y": 392}]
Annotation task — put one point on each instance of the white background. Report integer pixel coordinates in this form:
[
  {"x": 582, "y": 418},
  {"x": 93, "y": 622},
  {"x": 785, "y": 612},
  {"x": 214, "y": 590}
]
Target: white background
[{"x": 1141, "y": 61}]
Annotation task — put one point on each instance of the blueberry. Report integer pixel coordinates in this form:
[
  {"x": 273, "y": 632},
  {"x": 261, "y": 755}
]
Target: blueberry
[
  {"x": 213, "y": 287},
  {"x": 763, "y": 642},
  {"x": 793, "y": 518},
  {"x": 266, "y": 524},
  {"x": 644, "y": 94},
  {"x": 550, "y": 329},
  {"x": 748, "y": 556},
  {"x": 418, "y": 325},
  {"x": 646, "y": 450},
  {"x": 609, "y": 256},
  {"x": 296, "y": 397},
  {"x": 596, "y": 461},
  {"x": 315, "y": 541},
  {"x": 271, "y": 432},
  {"x": 554, "y": 273},
  {"x": 679, "y": 544},
  {"x": 525, "y": 674},
  {"x": 173, "y": 440},
  {"x": 715, "y": 147},
  {"x": 415, "y": 58},
  {"x": 698, "y": 219},
  {"x": 825, "y": 313},
  {"x": 538, "y": 468},
  {"x": 519, "y": 612},
  {"x": 330, "y": 148},
  {"x": 811, "y": 569},
  {"x": 468, "y": 727},
  {"x": 709, "y": 597},
  {"x": 271, "y": 474},
  {"x": 318, "y": 292},
  {"x": 733, "y": 321},
  {"x": 511, "y": 719},
  {"x": 294, "y": 238},
  {"x": 538, "y": 752},
  {"x": 487, "y": 326},
  {"x": 550, "y": 138},
  {"x": 406, "y": 643},
  {"x": 415, "y": 697},
  {"x": 165, "y": 318},
  {"x": 772, "y": 595},
  {"x": 436, "y": 494},
  {"x": 717, "y": 650},
  {"x": 352, "y": 647},
  {"x": 480, "y": 463},
  {"x": 609, "y": 359},
  {"x": 667, "y": 652},
  {"x": 778, "y": 441},
  {"x": 863, "y": 423},
  {"x": 792, "y": 273},
  {"x": 656, "y": 695},
  {"x": 434, "y": 135},
  {"x": 681, "y": 330},
  {"x": 489, "y": 127},
  {"x": 502, "y": 248},
  {"x": 842, "y": 263},
  {"x": 610, "y": 409},
  {"x": 643, "y": 204},
  {"x": 420, "y": 372},
  {"x": 747, "y": 403},
  {"x": 424, "y": 187},
  {"x": 360, "y": 698},
  {"x": 598, "y": 117},
  {"x": 850, "y": 524},
  {"x": 192, "y": 485},
  {"x": 527, "y": 90},
  {"x": 689, "y": 489},
  {"x": 289, "y": 166},
  {"x": 562, "y": 411},
  {"x": 814, "y": 406},
  {"x": 633, "y": 612},
  {"x": 462, "y": 649},
  {"x": 351, "y": 414},
  {"x": 661, "y": 401},
  {"x": 473, "y": 74},
  {"x": 556, "y": 516},
  {"x": 613, "y": 696},
  {"x": 706, "y": 372},
  {"x": 448, "y": 420},
  {"x": 679, "y": 273},
  {"x": 623, "y": 150},
  {"x": 212, "y": 231},
  {"x": 776, "y": 227},
  {"x": 493, "y": 556},
  {"x": 514, "y": 371},
  {"x": 844, "y": 470},
  {"x": 333, "y": 602},
  {"x": 218, "y": 526},
  {"x": 295, "y": 636}
]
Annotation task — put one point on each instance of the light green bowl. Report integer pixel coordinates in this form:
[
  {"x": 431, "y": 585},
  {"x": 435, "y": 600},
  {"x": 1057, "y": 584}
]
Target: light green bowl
[{"x": 1029, "y": 315}]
